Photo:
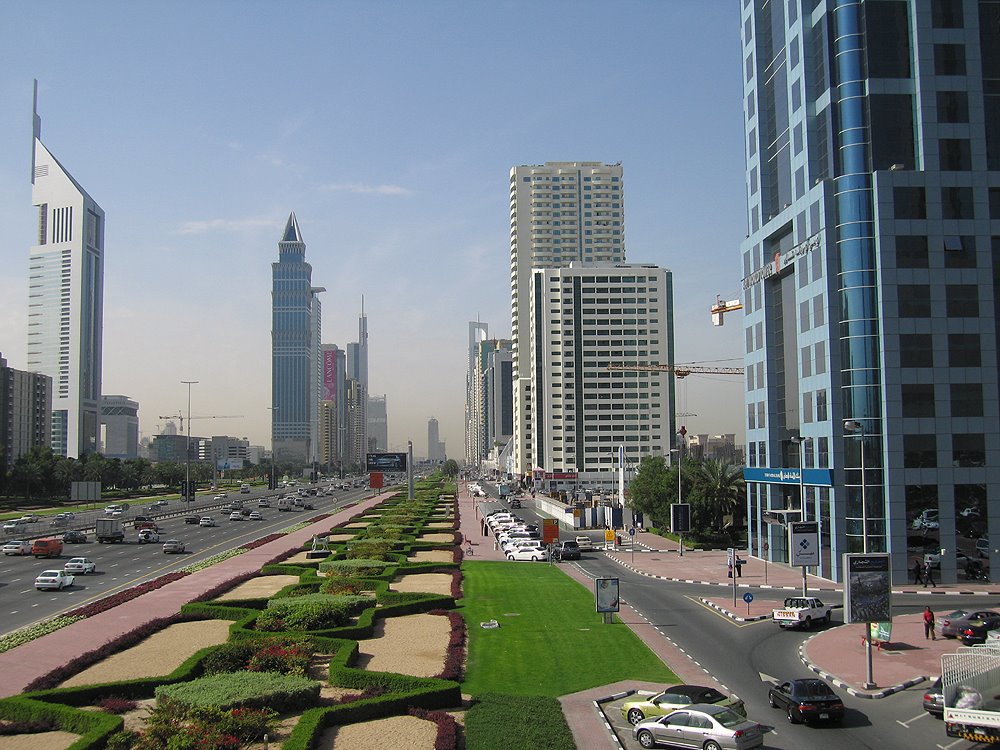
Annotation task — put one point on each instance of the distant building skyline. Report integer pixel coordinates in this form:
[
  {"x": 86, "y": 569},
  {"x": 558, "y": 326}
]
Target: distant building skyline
[
  {"x": 119, "y": 427},
  {"x": 25, "y": 412},
  {"x": 66, "y": 299}
]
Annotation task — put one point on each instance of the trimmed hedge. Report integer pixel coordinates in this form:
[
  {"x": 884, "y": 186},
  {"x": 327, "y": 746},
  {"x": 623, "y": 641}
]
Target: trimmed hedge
[
  {"x": 94, "y": 726},
  {"x": 245, "y": 690}
]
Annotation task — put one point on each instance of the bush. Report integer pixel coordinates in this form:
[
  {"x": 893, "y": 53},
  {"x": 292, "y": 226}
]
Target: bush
[
  {"x": 344, "y": 585},
  {"x": 176, "y": 726},
  {"x": 244, "y": 690},
  {"x": 28, "y": 726},
  {"x": 355, "y": 568},
  {"x": 364, "y": 549},
  {"x": 273, "y": 654},
  {"x": 311, "y": 612},
  {"x": 116, "y": 704}
]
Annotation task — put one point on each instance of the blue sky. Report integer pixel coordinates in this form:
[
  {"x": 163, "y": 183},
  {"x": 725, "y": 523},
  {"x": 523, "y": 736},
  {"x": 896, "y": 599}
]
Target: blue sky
[{"x": 389, "y": 128}]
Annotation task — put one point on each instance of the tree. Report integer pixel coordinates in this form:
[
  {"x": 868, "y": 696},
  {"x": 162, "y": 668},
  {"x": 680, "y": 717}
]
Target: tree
[
  {"x": 450, "y": 468},
  {"x": 720, "y": 487},
  {"x": 653, "y": 489}
]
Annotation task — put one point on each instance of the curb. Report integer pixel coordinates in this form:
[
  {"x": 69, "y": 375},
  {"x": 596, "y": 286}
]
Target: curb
[
  {"x": 604, "y": 718},
  {"x": 730, "y": 615},
  {"x": 851, "y": 690}
]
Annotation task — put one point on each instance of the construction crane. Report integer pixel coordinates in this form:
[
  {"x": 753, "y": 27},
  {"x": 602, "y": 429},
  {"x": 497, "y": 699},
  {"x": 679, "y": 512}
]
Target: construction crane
[
  {"x": 181, "y": 417},
  {"x": 721, "y": 307},
  {"x": 680, "y": 371}
]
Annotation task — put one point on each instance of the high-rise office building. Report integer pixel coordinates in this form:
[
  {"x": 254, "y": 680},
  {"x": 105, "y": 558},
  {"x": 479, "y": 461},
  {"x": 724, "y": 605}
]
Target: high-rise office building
[
  {"x": 296, "y": 367},
  {"x": 66, "y": 299},
  {"x": 25, "y": 413},
  {"x": 357, "y": 369},
  {"x": 871, "y": 277},
  {"x": 333, "y": 407},
  {"x": 560, "y": 212},
  {"x": 489, "y": 402},
  {"x": 435, "y": 448},
  {"x": 356, "y": 432},
  {"x": 473, "y": 418},
  {"x": 378, "y": 424},
  {"x": 119, "y": 427}
]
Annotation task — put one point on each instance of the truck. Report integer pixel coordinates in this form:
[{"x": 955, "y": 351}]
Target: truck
[
  {"x": 504, "y": 490},
  {"x": 801, "y": 611},
  {"x": 245, "y": 489},
  {"x": 110, "y": 530},
  {"x": 970, "y": 682},
  {"x": 284, "y": 504}
]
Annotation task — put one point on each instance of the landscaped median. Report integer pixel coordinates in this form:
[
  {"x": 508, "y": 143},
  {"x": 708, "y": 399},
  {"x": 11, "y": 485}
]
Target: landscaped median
[{"x": 365, "y": 637}]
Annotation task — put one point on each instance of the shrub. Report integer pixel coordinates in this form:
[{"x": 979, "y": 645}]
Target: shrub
[
  {"x": 311, "y": 612},
  {"x": 244, "y": 690},
  {"x": 354, "y": 567},
  {"x": 447, "y": 727},
  {"x": 176, "y": 726},
  {"x": 108, "y": 602},
  {"x": 344, "y": 585},
  {"x": 285, "y": 655},
  {"x": 27, "y": 726},
  {"x": 116, "y": 704},
  {"x": 364, "y": 549}
]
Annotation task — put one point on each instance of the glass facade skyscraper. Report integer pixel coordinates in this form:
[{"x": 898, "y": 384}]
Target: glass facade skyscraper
[
  {"x": 296, "y": 365},
  {"x": 870, "y": 276}
]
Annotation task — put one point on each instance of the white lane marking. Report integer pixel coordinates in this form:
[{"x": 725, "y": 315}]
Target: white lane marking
[{"x": 915, "y": 718}]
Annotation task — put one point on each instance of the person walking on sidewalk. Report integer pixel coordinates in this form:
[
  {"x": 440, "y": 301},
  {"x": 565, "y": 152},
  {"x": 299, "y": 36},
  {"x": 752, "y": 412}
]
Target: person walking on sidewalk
[
  {"x": 929, "y": 575},
  {"x": 929, "y": 631},
  {"x": 918, "y": 572}
]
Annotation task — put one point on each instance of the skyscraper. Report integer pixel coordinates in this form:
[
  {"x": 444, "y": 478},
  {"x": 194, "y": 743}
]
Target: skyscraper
[
  {"x": 119, "y": 427},
  {"x": 378, "y": 424},
  {"x": 357, "y": 370},
  {"x": 25, "y": 413},
  {"x": 871, "y": 274},
  {"x": 559, "y": 212},
  {"x": 435, "y": 448},
  {"x": 333, "y": 409},
  {"x": 66, "y": 299},
  {"x": 473, "y": 412},
  {"x": 296, "y": 365}
]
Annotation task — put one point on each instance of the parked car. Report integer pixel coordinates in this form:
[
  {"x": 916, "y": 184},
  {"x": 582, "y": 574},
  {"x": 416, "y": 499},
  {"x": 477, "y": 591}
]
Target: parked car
[
  {"x": 934, "y": 699},
  {"x": 700, "y": 725},
  {"x": 17, "y": 547},
  {"x": 585, "y": 544},
  {"x": 173, "y": 545},
  {"x": 806, "y": 700},
  {"x": 74, "y": 537},
  {"x": 148, "y": 536},
  {"x": 944, "y": 622},
  {"x": 255, "y": 516},
  {"x": 529, "y": 552},
  {"x": 983, "y": 547},
  {"x": 975, "y": 630},
  {"x": 676, "y": 697},
  {"x": 53, "y": 579},
  {"x": 80, "y": 565},
  {"x": 957, "y": 625},
  {"x": 191, "y": 519},
  {"x": 207, "y": 521},
  {"x": 570, "y": 550}
]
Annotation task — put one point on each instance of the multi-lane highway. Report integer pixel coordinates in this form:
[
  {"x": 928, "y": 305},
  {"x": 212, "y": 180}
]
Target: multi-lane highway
[{"x": 120, "y": 566}]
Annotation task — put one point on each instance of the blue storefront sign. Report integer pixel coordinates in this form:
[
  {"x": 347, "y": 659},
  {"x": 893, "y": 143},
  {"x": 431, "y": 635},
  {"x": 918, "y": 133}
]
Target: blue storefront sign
[{"x": 812, "y": 477}]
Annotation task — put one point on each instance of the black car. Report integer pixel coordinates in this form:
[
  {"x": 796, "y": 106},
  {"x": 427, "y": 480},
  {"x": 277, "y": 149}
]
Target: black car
[
  {"x": 934, "y": 700},
  {"x": 515, "y": 503},
  {"x": 568, "y": 550},
  {"x": 807, "y": 700},
  {"x": 192, "y": 519},
  {"x": 975, "y": 631},
  {"x": 74, "y": 537}
]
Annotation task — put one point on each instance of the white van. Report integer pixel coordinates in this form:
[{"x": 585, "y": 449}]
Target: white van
[
  {"x": 284, "y": 504},
  {"x": 245, "y": 489}
]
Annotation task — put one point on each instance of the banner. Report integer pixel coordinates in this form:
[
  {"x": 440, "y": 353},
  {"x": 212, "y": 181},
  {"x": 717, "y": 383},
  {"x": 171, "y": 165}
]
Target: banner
[
  {"x": 803, "y": 543},
  {"x": 606, "y": 592},
  {"x": 867, "y": 588}
]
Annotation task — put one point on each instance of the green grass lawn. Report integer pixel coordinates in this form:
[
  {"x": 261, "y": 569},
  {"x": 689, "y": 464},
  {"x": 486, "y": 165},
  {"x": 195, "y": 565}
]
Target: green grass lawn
[{"x": 550, "y": 640}]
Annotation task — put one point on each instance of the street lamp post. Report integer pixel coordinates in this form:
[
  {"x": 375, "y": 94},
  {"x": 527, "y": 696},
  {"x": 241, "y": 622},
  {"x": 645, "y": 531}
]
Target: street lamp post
[
  {"x": 801, "y": 441},
  {"x": 679, "y": 499},
  {"x": 273, "y": 484},
  {"x": 188, "y": 494},
  {"x": 854, "y": 425}
]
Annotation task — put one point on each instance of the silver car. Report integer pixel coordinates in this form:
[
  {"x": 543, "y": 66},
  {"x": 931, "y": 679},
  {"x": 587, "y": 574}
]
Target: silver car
[{"x": 700, "y": 725}]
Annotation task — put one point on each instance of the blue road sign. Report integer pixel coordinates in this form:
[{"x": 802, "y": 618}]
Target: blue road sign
[
  {"x": 631, "y": 531},
  {"x": 748, "y": 597}
]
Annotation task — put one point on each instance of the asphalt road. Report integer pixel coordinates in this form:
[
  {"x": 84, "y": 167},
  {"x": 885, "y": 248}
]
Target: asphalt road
[{"x": 121, "y": 566}]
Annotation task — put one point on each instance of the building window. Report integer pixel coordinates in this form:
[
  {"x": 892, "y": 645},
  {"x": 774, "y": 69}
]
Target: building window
[
  {"x": 964, "y": 350},
  {"x": 995, "y": 203},
  {"x": 914, "y": 301},
  {"x": 956, "y": 203},
  {"x": 909, "y": 202},
  {"x": 954, "y": 155},
  {"x": 806, "y": 356},
  {"x": 918, "y": 399},
  {"x": 916, "y": 350},
  {"x": 946, "y": 14},
  {"x": 959, "y": 252},
  {"x": 919, "y": 451},
  {"x": 819, "y": 310},
  {"x": 820, "y": 350},
  {"x": 966, "y": 399},
  {"x": 911, "y": 251},
  {"x": 807, "y": 408},
  {"x": 953, "y": 106},
  {"x": 821, "y": 410},
  {"x": 962, "y": 300},
  {"x": 968, "y": 450},
  {"x": 949, "y": 60},
  {"x": 803, "y": 316},
  {"x": 920, "y": 498},
  {"x": 822, "y": 453}
]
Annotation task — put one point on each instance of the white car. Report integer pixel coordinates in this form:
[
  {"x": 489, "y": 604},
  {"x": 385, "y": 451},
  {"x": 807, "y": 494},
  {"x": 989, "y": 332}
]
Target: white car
[
  {"x": 53, "y": 579},
  {"x": 79, "y": 565},
  {"x": 207, "y": 521},
  {"x": 173, "y": 545},
  {"x": 513, "y": 544},
  {"x": 147, "y": 536},
  {"x": 16, "y": 525},
  {"x": 529, "y": 552},
  {"x": 263, "y": 503},
  {"x": 235, "y": 516},
  {"x": 17, "y": 547},
  {"x": 219, "y": 497},
  {"x": 585, "y": 544},
  {"x": 109, "y": 509},
  {"x": 255, "y": 516}
]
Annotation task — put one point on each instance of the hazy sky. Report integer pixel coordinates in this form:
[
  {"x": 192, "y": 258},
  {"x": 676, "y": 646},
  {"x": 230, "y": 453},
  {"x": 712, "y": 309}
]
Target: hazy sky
[{"x": 389, "y": 128}]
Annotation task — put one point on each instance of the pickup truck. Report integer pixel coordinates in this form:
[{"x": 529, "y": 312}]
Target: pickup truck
[
  {"x": 801, "y": 611},
  {"x": 970, "y": 680}
]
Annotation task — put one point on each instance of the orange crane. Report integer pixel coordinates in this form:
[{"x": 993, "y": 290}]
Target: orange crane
[
  {"x": 206, "y": 416},
  {"x": 721, "y": 307},
  {"x": 680, "y": 371}
]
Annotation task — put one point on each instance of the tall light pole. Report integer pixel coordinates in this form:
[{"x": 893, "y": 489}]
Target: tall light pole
[
  {"x": 854, "y": 425},
  {"x": 801, "y": 441},
  {"x": 188, "y": 494},
  {"x": 273, "y": 484},
  {"x": 678, "y": 452}
]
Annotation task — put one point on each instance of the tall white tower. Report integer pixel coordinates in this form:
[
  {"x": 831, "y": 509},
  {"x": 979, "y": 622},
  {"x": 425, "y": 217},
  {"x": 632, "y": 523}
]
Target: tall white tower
[{"x": 66, "y": 299}]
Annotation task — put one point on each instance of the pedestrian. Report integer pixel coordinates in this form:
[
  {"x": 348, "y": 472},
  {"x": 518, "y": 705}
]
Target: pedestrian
[
  {"x": 918, "y": 573},
  {"x": 729, "y": 573},
  {"x": 929, "y": 625},
  {"x": 929, "y": 575},
  {"x": 739, "y": 567}
]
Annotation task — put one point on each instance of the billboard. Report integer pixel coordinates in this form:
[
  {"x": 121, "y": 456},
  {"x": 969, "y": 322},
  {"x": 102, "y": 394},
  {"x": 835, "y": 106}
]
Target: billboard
[
  {"x": 330, "y": 375},
  {"x": 680, "y": 518},
  {"x": 606, "y": 592},
  {"x": 810, "y": 477},
  {"x": 803, "y": 543},
  {"x": 390, "y": 462},
  {"x": 867, "y": 588}
]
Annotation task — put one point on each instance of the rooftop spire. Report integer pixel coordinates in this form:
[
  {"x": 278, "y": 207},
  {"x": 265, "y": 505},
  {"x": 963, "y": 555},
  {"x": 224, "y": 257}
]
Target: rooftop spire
[{"x": 291, "y": 233}]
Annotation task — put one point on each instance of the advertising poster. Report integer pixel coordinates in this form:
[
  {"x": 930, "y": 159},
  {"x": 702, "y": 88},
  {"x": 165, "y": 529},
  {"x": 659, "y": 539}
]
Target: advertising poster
[
  {"x": 330, "y": 375},
  {"x": 803, "y": 543},
  {"x": 680, "y": 518},
  {"x": 606, "y": 590},
  {"x": 390, "y": 462},
  {"x": 867, "y": 589}
]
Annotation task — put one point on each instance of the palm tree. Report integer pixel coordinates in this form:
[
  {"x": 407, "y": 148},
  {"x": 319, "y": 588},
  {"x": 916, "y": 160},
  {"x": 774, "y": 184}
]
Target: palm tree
[{"x": 722, "y": 488}]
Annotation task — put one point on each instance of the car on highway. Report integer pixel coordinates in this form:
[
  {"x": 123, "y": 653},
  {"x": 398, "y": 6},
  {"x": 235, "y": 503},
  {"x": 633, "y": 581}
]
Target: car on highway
[
  {"x": 255, "y": 516},
  {"x": 143, "y": 525},
  {"x": 74, "y": 537},
  {"x": 160, "y": 503},
  {"x": 235, "y": 516},
  {"x": 533, "y": 553},
  {"x": 148, "y": 536},
  {"x": 570, "y": 550},
  {"x": 806, "y": 700},
  {"x": 30, "y": 518},
  {"x": 173, "y": 545},
  {"x": 207, "y": 521},
  {"x": 16, "y": 525},
  {"x": 53, "y": 579},
  {"x": 192, "y": 519},
  {"x": 263, "y": 503},
  {"x": 676, "y": 697},
  {"x": 218, "y": 497},
  {"x": 17, "y": 547},
  {"x": 976, "y": 630},
  {"x": 585, "y": 544},
  {"x": 113, "y": 508},
  {"x": 700, "y": 725},
  {"x": 953, "y": 624},
  {"x": 80, "y": 565},
  {"x": 934, "y": 699}
]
